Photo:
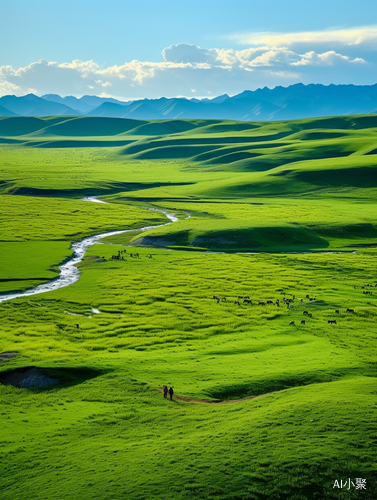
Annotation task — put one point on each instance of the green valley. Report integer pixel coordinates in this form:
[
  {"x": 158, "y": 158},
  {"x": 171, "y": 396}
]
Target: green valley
[{"x": 230, "y": 304}]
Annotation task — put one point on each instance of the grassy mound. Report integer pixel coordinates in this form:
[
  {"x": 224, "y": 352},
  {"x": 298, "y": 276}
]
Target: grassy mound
[
  {"x": 231, "y": 236},
  {"x": 87, "y": 126},
  {"x": 165, "y": 127},
  {"x": 21, "y": 125}
]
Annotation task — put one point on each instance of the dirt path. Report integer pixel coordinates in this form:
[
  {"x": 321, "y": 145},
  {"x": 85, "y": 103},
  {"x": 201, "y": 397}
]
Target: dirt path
[{"x": 201, "y": 401}]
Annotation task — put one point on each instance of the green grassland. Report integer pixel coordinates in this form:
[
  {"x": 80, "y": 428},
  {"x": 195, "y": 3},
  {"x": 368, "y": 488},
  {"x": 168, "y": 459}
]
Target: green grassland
[
  {"x": 23, "y": 264},
  {"x": 248, "y": 196},
  {"x": 36, "y": 233}
]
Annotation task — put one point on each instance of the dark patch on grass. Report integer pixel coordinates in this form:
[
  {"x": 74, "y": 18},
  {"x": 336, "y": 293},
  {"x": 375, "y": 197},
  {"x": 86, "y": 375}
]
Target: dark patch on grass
[
  {"x": 32, "y": 377},
  {"x": 29, "y": 377}
]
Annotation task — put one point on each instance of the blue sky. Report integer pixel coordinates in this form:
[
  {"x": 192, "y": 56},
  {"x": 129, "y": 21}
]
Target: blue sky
[{"x": 201, "y": 48}]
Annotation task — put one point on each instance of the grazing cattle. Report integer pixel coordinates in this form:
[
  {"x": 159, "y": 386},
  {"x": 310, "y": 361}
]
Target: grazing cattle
[
  {"x": 237, "y": 302},
  {"x": 337, "y": 311},
  {"x": 261, "y": 303},
  {"x": 310, "y": 315},
  {"x": 350, "y": 310},
  {"x": 278, "y": 303},
  {"x": 77, "y": 326},
  {"x": 307, "y": 296},
  {"x": 331, "y": 321},
  {"x": 270, "y": 302},
  {"x": 303, "y": 322},
  {"x": 291, "y": 323},
  {"x": 305, "y": 312},
  {"x": 247, "y": 301}
]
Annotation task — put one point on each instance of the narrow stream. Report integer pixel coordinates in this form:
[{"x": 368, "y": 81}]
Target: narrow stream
[{"x": 69, "y": 273}]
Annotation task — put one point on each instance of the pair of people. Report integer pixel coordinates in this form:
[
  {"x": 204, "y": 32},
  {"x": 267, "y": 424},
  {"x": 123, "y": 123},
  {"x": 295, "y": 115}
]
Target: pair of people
[{"x": 166, "y": 391}]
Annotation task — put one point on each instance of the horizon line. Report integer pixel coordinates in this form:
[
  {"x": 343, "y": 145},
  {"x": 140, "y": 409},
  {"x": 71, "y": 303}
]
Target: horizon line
[{"x": 126, "y": 99}]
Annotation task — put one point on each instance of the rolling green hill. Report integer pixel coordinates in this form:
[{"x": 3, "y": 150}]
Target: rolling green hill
[{"x": 281, "y": 214}]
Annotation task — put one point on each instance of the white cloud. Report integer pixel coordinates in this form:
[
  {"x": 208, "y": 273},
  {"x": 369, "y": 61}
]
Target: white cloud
[
  {"x": 351, "y": 36},
  {"x": 280, "y": 59},
  {"x": 329, "y": 58},
  {"x": 185, "y": 53}
]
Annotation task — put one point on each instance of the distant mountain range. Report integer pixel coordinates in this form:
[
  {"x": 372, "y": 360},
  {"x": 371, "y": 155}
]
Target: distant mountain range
[{"x": 280, "y": 103}]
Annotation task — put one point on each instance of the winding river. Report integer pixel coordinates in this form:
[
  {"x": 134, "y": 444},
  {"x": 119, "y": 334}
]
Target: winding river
[{"x": 69, "y": 273}]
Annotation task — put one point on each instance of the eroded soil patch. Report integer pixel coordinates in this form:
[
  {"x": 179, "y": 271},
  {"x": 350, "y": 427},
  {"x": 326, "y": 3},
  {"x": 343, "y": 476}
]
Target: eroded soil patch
[{"x": 6, "y": 356}]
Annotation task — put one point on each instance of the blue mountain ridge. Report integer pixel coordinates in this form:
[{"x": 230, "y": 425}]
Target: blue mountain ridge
[{"x": 281, "y": 103}]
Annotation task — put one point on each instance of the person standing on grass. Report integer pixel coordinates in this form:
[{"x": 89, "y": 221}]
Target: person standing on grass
[
  {"x": 171, "y": 392},
  {"x": 165, "y": 389}
]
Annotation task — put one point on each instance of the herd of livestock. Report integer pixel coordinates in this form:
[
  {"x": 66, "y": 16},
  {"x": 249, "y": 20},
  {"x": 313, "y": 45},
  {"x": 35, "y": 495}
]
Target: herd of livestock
[
  {"x": 289, "y": 303},
  {"x": 118, "y": 256}
]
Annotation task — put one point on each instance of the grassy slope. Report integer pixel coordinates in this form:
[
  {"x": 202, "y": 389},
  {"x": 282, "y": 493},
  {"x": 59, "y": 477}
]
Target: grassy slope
[
  {"x": 105, "y": 432},
  {"x": 171, "y": 331}
]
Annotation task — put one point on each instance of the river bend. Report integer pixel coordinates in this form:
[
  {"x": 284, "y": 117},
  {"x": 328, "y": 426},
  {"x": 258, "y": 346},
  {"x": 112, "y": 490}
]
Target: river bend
[{"x": 69, "y": 273}]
